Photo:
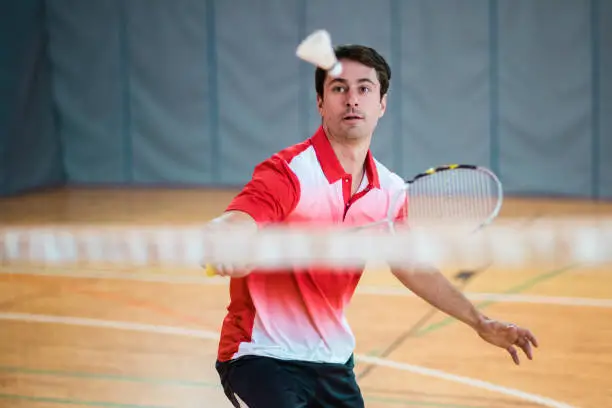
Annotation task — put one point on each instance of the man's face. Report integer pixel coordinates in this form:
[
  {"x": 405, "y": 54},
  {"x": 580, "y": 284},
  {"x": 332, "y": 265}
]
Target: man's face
[{"x": 351, "y": 103}]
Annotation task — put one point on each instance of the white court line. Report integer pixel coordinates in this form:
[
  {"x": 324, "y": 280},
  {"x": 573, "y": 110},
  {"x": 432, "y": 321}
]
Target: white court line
[
  {"x": 364, "y": 290},
  {"x": 109, "y": 274},
  {"x": 110, "y": 324},
  {"x": 208, "y": 335},
  {"x": 497, "y": 297},
  {"x": 547, "y": 402}
]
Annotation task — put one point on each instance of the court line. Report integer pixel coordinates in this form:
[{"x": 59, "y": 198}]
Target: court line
[
  {"x": 109, "y": 377},
  {"x": 110, "y": 324},
  {"x": 463, "y": 380},
  {"x": 397, "y": 401},
  {"x": 111, "y": 274},
  {"x": 132, "y": 301},
  {"x": 209, "y": 335},
  {"x": 497, "y": 297},
  {"x": 66, "y": 401},
  {"x": 513, "y": 290},
  {"x": 365, "y": 290},
  {"x": 464, "y": 277},
  {"x": 199, "y": 384}
]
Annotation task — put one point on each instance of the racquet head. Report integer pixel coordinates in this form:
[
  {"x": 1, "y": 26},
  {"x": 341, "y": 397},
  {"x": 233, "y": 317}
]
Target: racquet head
[{"x": 462, "y": 195}]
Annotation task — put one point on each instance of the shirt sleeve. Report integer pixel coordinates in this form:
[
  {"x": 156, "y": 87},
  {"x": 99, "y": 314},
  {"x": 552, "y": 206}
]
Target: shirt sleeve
[{"x": 271, "y": 194}]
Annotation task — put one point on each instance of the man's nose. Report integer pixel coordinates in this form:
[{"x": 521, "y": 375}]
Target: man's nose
[{"x": 351, "y": 98}]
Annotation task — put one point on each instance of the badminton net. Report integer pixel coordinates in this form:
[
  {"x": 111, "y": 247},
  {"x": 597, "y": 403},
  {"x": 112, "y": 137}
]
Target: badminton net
[{"x": 512, "y": 242}]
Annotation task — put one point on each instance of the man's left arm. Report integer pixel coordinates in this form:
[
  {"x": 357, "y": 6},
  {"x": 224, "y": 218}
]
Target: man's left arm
[{"x": 432, "y": 286}]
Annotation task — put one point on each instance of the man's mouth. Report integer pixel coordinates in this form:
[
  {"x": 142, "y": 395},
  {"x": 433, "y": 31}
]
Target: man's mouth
[{"x": 352, "y": 117}]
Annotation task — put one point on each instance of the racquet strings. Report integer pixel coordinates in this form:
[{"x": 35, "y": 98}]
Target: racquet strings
[{"x": 466, "y": 197}]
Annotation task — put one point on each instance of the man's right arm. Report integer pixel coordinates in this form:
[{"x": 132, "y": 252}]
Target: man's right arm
[
  {"x": 270, "y": 195},
  {"x": 233, "y": 217}
]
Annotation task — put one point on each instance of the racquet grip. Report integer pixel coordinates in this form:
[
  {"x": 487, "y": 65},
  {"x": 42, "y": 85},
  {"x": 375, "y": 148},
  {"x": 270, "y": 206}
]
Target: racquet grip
[{"x": 210, "y": 270}]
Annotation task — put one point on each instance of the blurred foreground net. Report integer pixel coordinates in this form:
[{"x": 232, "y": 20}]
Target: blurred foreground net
[{"x": 512, "y": 243}]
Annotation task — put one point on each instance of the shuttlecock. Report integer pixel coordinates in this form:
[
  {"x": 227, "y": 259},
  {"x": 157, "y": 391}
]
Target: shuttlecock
[{"x": 317, "y": 49}]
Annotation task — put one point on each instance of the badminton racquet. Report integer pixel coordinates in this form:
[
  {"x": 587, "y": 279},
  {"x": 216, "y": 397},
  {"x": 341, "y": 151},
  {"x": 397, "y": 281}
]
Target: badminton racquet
[{"x": 463, "y": 196}]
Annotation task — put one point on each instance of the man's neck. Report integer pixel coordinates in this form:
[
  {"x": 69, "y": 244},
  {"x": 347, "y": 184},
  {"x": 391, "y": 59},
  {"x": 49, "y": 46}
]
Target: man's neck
[{"x": 351, "y": 154}]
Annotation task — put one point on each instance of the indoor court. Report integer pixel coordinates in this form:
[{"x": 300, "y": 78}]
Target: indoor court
[
  {"x": 134, "y": 115},
  {"x": 113, "y": 337}
]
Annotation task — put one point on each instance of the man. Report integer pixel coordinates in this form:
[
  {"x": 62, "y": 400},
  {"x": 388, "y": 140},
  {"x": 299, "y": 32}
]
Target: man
[{"x": 285, "y": 342}]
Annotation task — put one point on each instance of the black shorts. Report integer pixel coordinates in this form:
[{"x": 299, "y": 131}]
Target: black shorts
[{"x": 264, "y": 382}]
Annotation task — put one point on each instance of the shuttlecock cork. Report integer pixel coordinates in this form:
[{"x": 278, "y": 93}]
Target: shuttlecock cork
[{"x": 317, "y": 49}]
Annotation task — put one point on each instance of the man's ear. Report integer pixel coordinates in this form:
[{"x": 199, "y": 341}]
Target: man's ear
[{"x": 383, "y": 105}]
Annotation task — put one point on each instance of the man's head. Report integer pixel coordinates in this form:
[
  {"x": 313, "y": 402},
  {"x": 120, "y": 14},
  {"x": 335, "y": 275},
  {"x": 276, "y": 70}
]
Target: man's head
[{"x": 351, "y": 104}]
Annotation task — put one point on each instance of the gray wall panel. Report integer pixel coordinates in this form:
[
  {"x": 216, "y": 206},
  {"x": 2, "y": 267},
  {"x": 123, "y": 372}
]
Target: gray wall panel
[
  {"x": 30, "y": 150},
  {"x": 545, "y": 96},
  {"x": 200, "y": 92},
  {"x": 90, "y": 87},
  {"x": 445, "y": 83},
  {"x": 258, "y": 87},
  {"x": 168, "y": 91},
  {"x": 603, "y": 95}
]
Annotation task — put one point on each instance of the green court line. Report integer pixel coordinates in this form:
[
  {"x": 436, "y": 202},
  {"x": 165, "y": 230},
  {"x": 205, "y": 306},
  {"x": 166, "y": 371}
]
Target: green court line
[
  {"x": 512, "y": 291},
  {"x": 112, "y": 377},
  {"x": 162, "y": 381},
  {"x": 66, "y": 401},
  {"x": 189, "y": 383}
]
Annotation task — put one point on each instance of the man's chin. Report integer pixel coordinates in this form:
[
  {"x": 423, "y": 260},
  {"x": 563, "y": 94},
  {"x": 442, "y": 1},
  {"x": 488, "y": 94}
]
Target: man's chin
[
  {"x": 356, "y": 132},
  {"x": 352, "y": 132}
]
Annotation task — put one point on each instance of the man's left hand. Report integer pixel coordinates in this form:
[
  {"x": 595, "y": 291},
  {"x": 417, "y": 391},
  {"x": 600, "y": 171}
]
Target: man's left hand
[{"x": 508, "y": 337}]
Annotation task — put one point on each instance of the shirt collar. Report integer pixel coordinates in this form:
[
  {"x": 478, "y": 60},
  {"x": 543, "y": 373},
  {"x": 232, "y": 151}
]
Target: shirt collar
[{"x": 331, "y": 165}]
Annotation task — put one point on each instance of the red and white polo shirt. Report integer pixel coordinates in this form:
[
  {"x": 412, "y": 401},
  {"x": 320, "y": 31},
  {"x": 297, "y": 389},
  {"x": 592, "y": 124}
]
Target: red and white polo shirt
[{"x": 299, "y": 315}]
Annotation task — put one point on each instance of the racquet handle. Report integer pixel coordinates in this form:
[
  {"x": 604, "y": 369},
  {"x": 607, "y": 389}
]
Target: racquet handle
[{"x": 210, "y": 270}]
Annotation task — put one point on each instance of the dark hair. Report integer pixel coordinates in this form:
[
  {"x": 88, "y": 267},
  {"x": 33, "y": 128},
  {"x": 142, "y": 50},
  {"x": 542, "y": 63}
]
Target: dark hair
[{"x": 365, "y": 55}]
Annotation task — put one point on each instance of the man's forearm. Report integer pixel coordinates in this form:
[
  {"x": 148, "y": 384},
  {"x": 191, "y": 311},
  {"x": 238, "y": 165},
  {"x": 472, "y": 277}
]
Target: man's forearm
[
  {"x": 233, "y": 217},
  {"x": 429, "y": 284}
]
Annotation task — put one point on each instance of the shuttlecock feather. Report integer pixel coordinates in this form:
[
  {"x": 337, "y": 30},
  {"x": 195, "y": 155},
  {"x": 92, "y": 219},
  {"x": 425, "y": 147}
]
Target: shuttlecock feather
[{"x": 317, "y": 49}]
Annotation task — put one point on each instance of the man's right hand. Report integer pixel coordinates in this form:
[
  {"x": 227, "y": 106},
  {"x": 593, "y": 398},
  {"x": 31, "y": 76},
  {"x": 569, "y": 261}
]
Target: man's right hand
[
  {"x": 227, "y": 270},
  {"x": 223, "y": 223}
]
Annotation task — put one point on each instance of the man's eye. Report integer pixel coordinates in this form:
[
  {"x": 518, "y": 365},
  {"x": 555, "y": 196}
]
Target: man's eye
[
  {"x": 338, "y": 89},
  {"x": 364, "y": 89}
]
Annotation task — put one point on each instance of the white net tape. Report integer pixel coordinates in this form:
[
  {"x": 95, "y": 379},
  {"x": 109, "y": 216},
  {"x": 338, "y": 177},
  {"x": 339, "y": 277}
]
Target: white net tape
[{"x": 512, "y": 243}]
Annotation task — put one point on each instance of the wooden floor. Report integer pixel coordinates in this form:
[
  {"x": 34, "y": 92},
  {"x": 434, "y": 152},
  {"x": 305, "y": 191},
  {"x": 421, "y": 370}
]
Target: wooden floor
[{"x": 115, "y": 338}]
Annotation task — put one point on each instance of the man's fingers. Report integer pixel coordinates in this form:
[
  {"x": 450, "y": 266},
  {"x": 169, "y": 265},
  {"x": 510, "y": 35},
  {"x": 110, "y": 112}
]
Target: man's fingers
[
  {"x": 531, "y": 338},
  {"x": 514, "y": 355},
  {"x": 528, "y": 336},
  {"x": 526, "y": 346},
  {"x": 217, "y": 270},
  {"x": 223, "y": 270},
  {"x": 227, "y": 270}
]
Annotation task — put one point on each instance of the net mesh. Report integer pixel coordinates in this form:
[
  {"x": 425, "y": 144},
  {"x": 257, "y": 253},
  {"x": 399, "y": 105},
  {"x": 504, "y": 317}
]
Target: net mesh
[{"x": 512, "y": 242}]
